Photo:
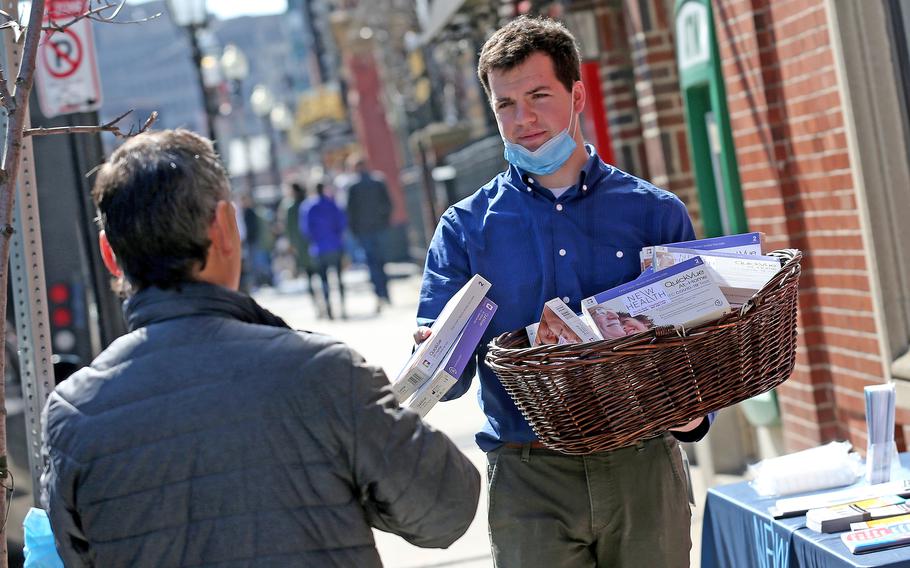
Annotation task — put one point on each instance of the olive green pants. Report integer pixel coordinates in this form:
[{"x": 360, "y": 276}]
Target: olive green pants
[{"x": 623, "y": 508}]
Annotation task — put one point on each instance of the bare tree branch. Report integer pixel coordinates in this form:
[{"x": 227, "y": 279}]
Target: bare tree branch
[
  {"x": 95, "y": 14},
  {"x": 111, "y": 127}
]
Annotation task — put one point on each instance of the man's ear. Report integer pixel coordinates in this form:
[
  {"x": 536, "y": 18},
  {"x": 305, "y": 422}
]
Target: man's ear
[
  {"x": 579, "y": 96},
  {"x": 108, "y": 256},
  {"x": 222, "y": 231}
]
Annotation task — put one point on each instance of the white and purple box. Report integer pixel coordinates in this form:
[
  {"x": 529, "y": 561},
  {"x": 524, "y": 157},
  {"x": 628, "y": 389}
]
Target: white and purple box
[{"x": 457, "y": 360}]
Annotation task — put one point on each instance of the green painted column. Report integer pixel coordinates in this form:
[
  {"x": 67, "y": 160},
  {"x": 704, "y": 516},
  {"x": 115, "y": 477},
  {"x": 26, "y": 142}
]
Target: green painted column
[{"x": 707, "y": 120}]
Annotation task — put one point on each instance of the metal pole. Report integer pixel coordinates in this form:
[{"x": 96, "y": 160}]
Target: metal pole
[
  {"x": 273, "y": 151},
  {"x": 206, "y": 99},
  {"x": 28, "y": 285}
]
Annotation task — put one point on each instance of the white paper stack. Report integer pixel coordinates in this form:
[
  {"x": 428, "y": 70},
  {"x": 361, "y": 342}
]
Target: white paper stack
[{"x": 880, "y": 430}]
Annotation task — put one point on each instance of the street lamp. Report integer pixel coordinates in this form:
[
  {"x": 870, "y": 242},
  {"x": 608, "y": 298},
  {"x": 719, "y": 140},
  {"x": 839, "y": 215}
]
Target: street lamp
[
  {"x": 281, "y": 118},
  {"x": 235, "y": 67},
  {"x": 263, "y": 103},
  {"x": 192, "y": 16}
]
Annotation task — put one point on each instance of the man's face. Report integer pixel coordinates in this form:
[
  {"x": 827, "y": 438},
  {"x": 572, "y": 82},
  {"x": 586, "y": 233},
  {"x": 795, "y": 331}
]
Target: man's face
[
  {"x": 530, "y": 103},
  {"x": 236, "y": 262}
]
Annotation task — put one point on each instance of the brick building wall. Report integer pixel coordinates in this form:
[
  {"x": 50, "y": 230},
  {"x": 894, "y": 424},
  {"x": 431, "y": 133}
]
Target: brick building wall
[
  {"x": 798, "y": 187},
  {"x": 649, "y": 27},
  {"x": 641, "y": 94},
  {"x": 618, "y": 87}
]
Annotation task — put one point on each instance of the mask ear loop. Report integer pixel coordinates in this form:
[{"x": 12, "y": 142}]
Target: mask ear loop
[{"x": 574, "y": 114}]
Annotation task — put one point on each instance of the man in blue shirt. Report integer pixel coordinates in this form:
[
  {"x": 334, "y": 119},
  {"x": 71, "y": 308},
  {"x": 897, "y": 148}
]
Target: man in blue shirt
[{"x": 558, "y": 223}]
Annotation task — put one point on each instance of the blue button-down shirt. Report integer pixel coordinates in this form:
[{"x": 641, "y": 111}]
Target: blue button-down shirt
[{"x": 532, "y": 248}]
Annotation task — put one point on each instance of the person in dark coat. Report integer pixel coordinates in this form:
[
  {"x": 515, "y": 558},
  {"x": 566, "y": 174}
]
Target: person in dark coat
[
  {"x": 369, "y": 210},
  {"x": 212, "y": 434}
]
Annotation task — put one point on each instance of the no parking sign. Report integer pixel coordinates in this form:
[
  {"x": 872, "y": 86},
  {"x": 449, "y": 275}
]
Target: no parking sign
[{"x": 67, "y": 72}]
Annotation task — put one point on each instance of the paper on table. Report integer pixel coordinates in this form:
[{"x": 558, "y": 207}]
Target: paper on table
[{"x": 881, "y": 449}]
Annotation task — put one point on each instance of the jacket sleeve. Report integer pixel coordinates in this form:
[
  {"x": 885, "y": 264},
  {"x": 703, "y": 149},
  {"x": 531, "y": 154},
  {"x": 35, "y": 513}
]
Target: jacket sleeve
[
  {"x": 412, "y": 480},
  {"x": 303, "y": 222},
  {"x": 384, "y": 201},
  {"x": 58, "y": 497},
  {"x": 447, "y": 269}
]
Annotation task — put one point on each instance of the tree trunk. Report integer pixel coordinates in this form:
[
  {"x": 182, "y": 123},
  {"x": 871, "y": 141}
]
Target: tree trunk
[{"x": 16, "y": 106}]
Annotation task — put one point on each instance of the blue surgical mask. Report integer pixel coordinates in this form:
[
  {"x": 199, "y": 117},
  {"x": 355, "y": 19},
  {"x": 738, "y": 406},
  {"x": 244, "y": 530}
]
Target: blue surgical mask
[{"x": 551, "y": 155}]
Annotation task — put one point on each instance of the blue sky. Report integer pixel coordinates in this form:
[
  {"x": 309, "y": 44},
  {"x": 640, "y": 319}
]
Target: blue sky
[{"x": 224, "y": 9}]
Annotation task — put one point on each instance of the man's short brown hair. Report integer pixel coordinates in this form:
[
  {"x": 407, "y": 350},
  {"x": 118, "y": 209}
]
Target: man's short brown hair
[
  {"x": 156, "y": 198},
  {"x": 513, "y": 43}
]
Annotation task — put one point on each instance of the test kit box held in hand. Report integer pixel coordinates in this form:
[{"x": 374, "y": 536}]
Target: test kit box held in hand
[
  {"x": 430, "y": 354},
  {"x": 447, "y": 374}
]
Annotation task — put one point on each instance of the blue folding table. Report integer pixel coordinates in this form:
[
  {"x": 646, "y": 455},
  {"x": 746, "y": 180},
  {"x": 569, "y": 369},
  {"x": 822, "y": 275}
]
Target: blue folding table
[{"x": 739, "y": 532}]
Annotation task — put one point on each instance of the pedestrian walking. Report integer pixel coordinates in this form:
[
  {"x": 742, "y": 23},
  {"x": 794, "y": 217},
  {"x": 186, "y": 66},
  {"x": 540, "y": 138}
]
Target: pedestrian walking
[
  {"x": 559, "y": 222},
  {"x": 304, "y": 263},
  {"x": 212, "y": 434},
  {"x": 323, "y": 223},
  {"x": 369, "y": 210}
]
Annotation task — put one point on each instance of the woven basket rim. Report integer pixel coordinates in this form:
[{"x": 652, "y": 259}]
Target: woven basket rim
[{"x": 656, "y": 337}]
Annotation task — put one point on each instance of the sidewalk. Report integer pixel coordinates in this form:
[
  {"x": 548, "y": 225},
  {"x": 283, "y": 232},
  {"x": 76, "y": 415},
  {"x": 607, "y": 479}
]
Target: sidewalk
[{"x": 385, "y": 340}]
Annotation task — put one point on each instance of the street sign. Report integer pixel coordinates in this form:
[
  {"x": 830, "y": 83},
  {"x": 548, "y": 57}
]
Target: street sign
[{"x": 67, "y": 71}]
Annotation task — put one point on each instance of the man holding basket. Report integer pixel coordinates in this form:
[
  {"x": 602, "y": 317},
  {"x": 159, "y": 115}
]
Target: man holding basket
[{"x": 559, "y": 222}]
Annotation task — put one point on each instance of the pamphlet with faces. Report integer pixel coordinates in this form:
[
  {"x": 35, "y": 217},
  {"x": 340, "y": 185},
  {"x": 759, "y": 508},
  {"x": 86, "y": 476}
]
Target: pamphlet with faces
[
  {"x": 682, "y": 295},
  {"x": 559, "y": 325}
]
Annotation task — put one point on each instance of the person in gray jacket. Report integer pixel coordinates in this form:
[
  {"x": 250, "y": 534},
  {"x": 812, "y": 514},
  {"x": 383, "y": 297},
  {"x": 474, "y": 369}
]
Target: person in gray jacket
[{"x": 212, "y": 433}]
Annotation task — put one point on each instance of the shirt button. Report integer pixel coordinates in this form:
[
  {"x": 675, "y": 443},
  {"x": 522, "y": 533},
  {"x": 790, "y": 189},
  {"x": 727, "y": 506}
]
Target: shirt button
[
  {"x": 566, "y": 299},
  {"x": 559, "y": 206},
  {"x": 530, "y": 180},
  {"x": 529, "y": 190},
  {"x": 584, "y": 188},
  {"x": 562, "y": 252},
  {"x": 619, "y": 254}
]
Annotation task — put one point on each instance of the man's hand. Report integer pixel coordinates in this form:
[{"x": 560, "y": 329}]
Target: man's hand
[
  {"x": 422, "y": 334},
  {"x": 690, "y": 426}
]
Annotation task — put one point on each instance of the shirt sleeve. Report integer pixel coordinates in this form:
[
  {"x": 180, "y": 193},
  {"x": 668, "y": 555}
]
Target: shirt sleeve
[
  {"x": 447, "y": 270},
  {"x": 412, "y": 480},
  {"x": 676, "y": 225},
  {"x": 698, "y": 433}
]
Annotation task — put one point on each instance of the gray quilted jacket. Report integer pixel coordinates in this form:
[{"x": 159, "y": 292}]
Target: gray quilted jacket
[{"x": 213, "y": 435}]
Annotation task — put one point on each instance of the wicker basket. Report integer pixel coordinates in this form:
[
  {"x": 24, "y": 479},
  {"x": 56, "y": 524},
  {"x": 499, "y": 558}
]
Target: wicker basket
[{"x": 590, "y": 397}]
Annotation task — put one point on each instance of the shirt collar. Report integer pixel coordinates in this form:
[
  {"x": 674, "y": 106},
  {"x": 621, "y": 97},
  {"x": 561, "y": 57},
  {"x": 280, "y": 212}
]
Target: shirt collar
[{"x": 590, "y": 175}]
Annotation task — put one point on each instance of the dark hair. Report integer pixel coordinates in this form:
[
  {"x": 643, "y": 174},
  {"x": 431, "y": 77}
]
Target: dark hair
[
  {"x": 640, "y": 317},
  {"x": 156, "y": 197},
  {"x": 298, "y": 190},
  {"x": 513, "y": 43},
  {"x": 356, "y": 161}
]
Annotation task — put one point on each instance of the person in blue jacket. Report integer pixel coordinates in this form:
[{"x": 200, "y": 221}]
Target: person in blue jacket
[
  {"x": 559, "y": 222},
  {"x": 323, "y": 222}
]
